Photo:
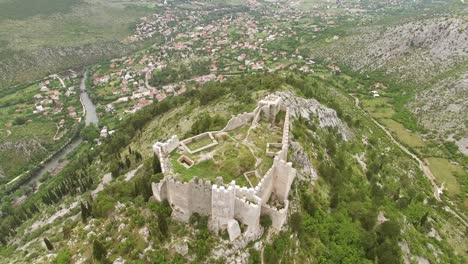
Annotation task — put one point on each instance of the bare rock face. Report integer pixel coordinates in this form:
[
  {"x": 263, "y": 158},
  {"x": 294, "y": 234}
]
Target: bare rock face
[
  {"x": 181, "y": 248},
  {"x": 443, "y": 107},
  {"x": 302, "y": 163},
  {"x": 414, "y": 50},
  {"x": 309, "y": 108}
]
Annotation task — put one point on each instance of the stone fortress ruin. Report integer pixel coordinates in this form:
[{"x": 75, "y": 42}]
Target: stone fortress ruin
[{"x": 249, "y": 153}]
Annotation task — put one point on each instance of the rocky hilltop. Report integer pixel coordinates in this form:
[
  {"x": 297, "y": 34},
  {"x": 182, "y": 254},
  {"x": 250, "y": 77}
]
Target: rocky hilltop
[{"x": 412, "y": 50}]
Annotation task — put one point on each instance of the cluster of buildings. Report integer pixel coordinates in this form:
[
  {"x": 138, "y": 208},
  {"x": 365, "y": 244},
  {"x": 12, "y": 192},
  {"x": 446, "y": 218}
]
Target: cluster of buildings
[
  {"x": 235, "y": 42},
  {"x": 53, "y": 99}
]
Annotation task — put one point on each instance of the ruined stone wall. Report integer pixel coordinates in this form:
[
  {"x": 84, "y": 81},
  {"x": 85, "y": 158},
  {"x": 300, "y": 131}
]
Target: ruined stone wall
[
  {"x": 256, "y": 115},
  {"x": 248, "y": 193},
  {"x": 198, "y": 137},
  {"x": 225, "y": 205},
  {"x": 238, "y": 121},
  {"x": 278, "y": 216},
  {"x": 283, "y": 154},
  {"x": 222, "y": 205},
  {"x": 200, "y": 196},
  {"x": 284, "y": 175},
  {"x": 179, "y": 196},
  {"x": 171, "y": 144},
  {"x": 265, "y": 186},
  {"x": 162, "y": 150},
  {"x": 270, "y": 106},
  {"x": 248, "y": 213},
  {"x": 159, "y": 190},
  {"x": 168, "y": 146}
]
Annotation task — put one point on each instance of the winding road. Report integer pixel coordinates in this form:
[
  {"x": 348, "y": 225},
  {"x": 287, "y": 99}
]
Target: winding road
[{"x": 422, "y": 165}]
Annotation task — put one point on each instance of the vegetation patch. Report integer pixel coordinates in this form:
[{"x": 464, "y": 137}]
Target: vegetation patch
[
  {"x": 226, "y": 160},
  {"x": 378, "y": 107},
  {"x": 200, "y": 142},
  {"x": 404, "y": 135},
  {"x": 446, "y": 173}
]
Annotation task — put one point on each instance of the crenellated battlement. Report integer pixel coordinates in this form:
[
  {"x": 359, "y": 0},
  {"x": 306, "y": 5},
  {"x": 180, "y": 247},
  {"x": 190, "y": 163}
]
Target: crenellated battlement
[
  {"x": 248, "y": 193},
  {"x": 247, "y": 202},
  {"x": 223, "y": 190},
  {"x": 264, "y": 180},
  {"x": 228, "y": 204},
  {"x": 200, "y": 182}
]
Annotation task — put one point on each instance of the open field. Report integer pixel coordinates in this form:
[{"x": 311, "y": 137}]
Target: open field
[
  {"x": 23, "y": 9},
  {"x": 50, "y": 36},
  {"x": 403, "y": 135},
  {"x": 445, "y": 173},
  {"x": 226, "y": 160},
  {"x": 196, "y": 144},
  {"x": 239, "y": 151},
  {"x": 378, "y": 107}
]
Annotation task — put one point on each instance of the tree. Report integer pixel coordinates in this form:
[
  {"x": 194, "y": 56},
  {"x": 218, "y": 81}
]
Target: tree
[
  {"x": 66, "y": 230},
  {"x": 115, "y": 169},
  {"x": 270, "y": 255},
  {"x": 128, "y": 162},
  {"x": 424, "y": 219},
  {"x": 48, "y": 244},
  {"x": 99, "y": 251},
  {"x": 265, "y": 221},
  {"x": 84, "y": 212},
  {"x": 254, "y": 256},
  {"x": 90, "y": 133},
  {"x": 296, "y": 223},
  {"x": 390, "y": 229},
  {"x": 162, "y": 224},
  {"x": 20, "y": 120}
]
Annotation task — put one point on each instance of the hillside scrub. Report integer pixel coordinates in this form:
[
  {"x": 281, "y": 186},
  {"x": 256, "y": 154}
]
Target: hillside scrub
[{"x": 336, "y": 218}]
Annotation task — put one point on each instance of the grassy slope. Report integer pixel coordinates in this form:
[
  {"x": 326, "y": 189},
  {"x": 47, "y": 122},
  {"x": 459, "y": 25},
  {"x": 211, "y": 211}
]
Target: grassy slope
[
  {"x": 329, "y": 225},
  {"x": 393, "y": 109}
]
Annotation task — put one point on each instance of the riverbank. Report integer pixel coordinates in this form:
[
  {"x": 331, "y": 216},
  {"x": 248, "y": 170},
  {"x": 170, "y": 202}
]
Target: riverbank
[{"x": 55, "y": 159}]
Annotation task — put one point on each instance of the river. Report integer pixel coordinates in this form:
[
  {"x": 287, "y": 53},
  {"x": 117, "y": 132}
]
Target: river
[
  {"x": 89, "y": 110},
  {"x": 91, "y": 117},
  {"x": 88, "y": 107}
]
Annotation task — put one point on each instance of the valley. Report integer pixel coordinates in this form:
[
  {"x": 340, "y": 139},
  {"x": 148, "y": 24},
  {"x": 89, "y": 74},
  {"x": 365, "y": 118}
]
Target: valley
[{"x": 372, "y": 98}]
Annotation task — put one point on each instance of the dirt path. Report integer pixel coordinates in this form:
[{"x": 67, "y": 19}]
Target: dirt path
[{"x": 422, "y": 165}]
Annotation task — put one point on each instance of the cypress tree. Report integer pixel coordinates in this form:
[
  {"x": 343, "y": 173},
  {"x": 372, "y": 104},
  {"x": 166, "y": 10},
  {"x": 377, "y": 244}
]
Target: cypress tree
[
  {"x": 128, "y": 163},
  {"x": 162, "y": 224},
  {"x": 99, "y": 251},
  {"x": 48, "y": 244},
  {"x": 84, "y": 212},
  {"x": 89, "y": 208}
]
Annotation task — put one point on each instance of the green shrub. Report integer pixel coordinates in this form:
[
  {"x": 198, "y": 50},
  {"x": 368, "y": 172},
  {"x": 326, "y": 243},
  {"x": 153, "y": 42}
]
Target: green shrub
[
  {"x": 63, "y": 257},
  {"x": 265, "y": 221},
  {"x": 99, "y": 251}
]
